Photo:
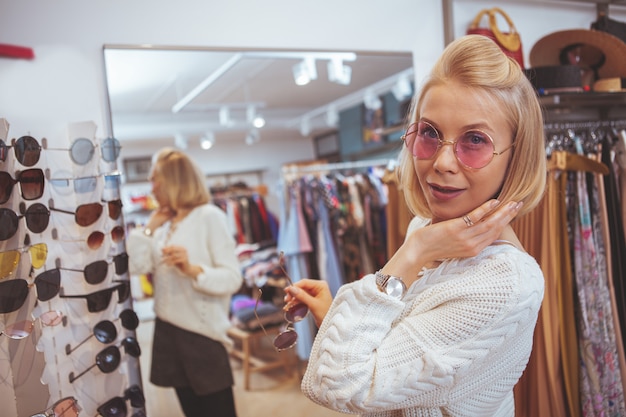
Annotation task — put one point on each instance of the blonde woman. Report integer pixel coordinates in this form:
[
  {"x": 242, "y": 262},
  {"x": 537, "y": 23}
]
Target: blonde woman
[
  {"x": 445, "y": 328},
  {"x": 188, "y": 248}
]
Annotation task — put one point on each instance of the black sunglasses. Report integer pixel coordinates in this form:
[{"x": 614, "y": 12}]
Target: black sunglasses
[
  {"x": 105, "y": 330},
  {"x": 288, "y": 337},
  {"x": 108, "y": 359},
  {"x": 97, "y": 271},
  {"x": 13, "y": 293},
  {"x": 31, "y": 182},
  {"x": 99, "y": 300},
  {"x": 27, "y": 150},
  {"x": 116, "y": 406},
  {"x": 37, "y": 218}
]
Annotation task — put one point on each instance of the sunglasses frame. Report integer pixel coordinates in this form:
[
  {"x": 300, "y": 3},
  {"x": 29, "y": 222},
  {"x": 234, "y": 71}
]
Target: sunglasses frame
[
  {"x": 47, "y": 412},
  {"x": 37, "y": 247},
  {"x": 23, "y": 146},
  {"x": 20, "y": 289},
  {"x": 134, "y": 394},
  {"x": 105, "y": 330},
  {"x": 19, "y": 179},
  {"x": 103, "y": 356},
  {"x": 289, "y": 331},
  {"x": 91, "y": 298},
  {"x": 29, "y": 325},
  {"x": 406, "y": 138}
]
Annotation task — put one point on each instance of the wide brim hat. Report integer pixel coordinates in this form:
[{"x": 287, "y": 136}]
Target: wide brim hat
[{"x": 547, "y": 50}]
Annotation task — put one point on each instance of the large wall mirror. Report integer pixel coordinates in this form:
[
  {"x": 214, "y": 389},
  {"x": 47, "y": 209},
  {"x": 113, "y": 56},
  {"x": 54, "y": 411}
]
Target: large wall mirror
[{"x": 191, "y": 96}]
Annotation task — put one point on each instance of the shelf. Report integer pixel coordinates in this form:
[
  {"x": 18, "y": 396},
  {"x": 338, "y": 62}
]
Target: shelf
[{"x": 574, "y": 107}]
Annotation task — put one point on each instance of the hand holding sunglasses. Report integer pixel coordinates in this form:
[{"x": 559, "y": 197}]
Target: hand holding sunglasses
[{"x": 287, "y": 338}]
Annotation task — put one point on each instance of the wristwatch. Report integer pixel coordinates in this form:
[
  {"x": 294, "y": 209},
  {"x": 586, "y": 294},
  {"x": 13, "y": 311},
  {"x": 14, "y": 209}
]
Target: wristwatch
[
  {"x": 390, "y": 285},
  {"x": 147, "y": 232}
]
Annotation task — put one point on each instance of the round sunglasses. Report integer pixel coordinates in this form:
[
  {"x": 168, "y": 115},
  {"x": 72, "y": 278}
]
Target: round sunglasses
[
  {"x": 27, "y": 150},
  {"x": 37, "y": 218},
  {"x": 474, "y": 149},
  {"x": 11, "y": 258},
  {"x": 24, "y": 328},
  {"x": 31, "y": 182},
  {"x": 109, "y": 358},
  {"x": 106, "y": 332},
  {"x": 96, "y": 238}
]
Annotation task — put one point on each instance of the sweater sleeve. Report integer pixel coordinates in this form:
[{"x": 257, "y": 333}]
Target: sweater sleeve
[
  {"x": 139, "y": 248},
  {"x": 221, "y": 273},
  {"x": 374, "y": 353}
]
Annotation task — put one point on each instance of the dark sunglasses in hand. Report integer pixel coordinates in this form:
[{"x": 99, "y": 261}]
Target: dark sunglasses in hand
[
  {"x": 288, "y": 337},
  {"x": 108, "y": 359}
]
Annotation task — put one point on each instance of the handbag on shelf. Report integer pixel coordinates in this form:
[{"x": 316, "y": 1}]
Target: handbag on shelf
[{"x": 510, "y": 42}]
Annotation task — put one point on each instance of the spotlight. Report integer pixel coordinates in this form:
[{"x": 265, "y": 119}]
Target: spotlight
[
  {"x": 338, "y": 72},
  {"x": 252, "y": 137},
  {"x": 258, "y": 122},
  {"x": 371, "y": 101},
  {"x": 225, "y": 116},
  {"x": 180, "y": 141},
  {"x": 253, "y": 118},
  {"x": 402, "y": 89},
  {"x": 207, "y": 141},
  {"x": 305, "y": 71}
]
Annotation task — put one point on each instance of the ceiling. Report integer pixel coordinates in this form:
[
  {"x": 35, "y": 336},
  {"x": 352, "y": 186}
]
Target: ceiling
[{"x": 178, "y": 94}]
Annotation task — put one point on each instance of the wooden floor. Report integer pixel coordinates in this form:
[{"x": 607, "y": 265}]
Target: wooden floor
[{"x": 271, "y": 393}]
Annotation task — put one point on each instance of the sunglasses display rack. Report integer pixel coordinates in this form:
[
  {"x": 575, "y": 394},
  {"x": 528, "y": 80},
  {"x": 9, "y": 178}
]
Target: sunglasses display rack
[{"x": 67, "y": 327}]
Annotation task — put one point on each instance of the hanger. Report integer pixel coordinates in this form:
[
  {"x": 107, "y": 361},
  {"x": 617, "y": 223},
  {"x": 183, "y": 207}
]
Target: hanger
[{"x": 567, "y": 161}]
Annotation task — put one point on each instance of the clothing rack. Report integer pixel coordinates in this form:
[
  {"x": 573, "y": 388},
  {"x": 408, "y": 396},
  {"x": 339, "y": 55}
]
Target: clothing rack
[
  {"x": 594, "y": 124},
  {"x": 289, "y": 170}
]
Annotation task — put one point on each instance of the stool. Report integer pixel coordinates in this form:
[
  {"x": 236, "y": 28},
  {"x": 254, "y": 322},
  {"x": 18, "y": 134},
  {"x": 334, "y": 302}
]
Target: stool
[{"x": 251, "y": 362}]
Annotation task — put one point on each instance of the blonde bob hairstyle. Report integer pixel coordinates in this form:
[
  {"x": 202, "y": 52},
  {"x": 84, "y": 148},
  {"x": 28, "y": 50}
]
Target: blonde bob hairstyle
[
  {"x": 478, "y": 63},
  {"x": 180, "y": 179}
]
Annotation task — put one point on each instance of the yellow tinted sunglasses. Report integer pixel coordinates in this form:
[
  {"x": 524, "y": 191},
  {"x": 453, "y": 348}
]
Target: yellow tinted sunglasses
[{"x": 11, "y": 258}]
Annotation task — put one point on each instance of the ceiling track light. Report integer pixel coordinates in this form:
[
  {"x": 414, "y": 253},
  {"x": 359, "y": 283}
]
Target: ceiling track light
[
  {"x": 180, "y": 141},
  {"x": 402, "y": 89},
  {"x": 305, "y": 71},
  {"x": 207, "y": 140},
  {"x": 371, "y": 100},
  {"x": 338, "y": 72},
  {"x": 224, "y": 116},
  {"x": 253, "y": 137}
]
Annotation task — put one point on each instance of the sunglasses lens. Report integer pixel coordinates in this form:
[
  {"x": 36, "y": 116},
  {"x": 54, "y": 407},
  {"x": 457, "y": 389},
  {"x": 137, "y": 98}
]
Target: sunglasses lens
[
  {"x": 48, "y": 284},
  {"x": 108, "y": 359},
  {"x": 115, "y": 407},
  {"x": 4, "y": 150},
  {"x": 8, "y": 223},
  {"x": 105, "y": 331},
  {"x": 110, "y": 149},
  {"x": 117, "y": 234},
  {"x": 123, "y": 291},
  {"x": 95, "y": 239},
  {"x": 286, "y": 339},
  {"x": 96, "y": 272},
  {"x": 296, "y": 313},
  {"x": 37, "y": 218},
  {"x": 38, "y": 255},
  {"x": 135, "y": 395},
  {"x": 27, "y": 150},
  {"x": 121, "y": 263},
  {"x": 87, "y": 214},
  {"x": 19, "y": 330},
  {"x": 51, "y": 318},
  {"x": 31, "y": 183},
  {"x": 129, "y": 318},
  {"x": 115, "y": 209},
  {"x": 85, "y": 184},
  {"x": 82, "y": 151},
  {"x": 99, "y": 300},
  {"x": 13, "y": 293},
  {"x": 67, "y": 407},
  {"x": 6, "y": 186},
  {"x": 8, "y": 262},
  {"x": 131, "y": 347}
]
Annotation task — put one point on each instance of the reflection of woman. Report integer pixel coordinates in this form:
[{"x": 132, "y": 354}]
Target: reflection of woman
[
  {"x": 456, "y": 342},
  {"x": 188, "y": 248}
]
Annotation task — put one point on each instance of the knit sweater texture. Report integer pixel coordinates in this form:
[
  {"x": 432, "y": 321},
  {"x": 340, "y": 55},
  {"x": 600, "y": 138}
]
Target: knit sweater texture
[
  {"x": 198, "y": 305},
  {"x": 455, "y": 345}
]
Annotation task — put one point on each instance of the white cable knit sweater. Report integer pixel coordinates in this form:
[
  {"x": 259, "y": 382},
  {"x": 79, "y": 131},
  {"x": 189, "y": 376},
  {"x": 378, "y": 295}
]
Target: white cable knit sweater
[{"x": 455, "y": 345}]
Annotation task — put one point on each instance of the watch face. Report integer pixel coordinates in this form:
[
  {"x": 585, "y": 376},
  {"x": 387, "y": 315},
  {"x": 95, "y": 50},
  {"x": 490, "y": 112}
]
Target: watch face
[{"x": 395, "y": 287}]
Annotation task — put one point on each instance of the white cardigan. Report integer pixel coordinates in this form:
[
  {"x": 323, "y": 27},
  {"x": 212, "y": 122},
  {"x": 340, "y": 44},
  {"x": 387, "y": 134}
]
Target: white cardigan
[
  {"x": 454, "y": 346},
  {"x": 200, "y": 306}
]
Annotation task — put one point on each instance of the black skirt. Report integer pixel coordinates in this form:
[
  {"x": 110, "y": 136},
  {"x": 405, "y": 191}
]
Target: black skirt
[{"x": 181, "y": 358}]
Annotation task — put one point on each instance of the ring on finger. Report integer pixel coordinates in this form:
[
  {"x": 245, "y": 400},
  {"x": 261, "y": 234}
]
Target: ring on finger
[{"x": 468, "y": 221}]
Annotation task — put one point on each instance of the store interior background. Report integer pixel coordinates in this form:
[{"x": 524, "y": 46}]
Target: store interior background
[{"x": 65, "y": 83}]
